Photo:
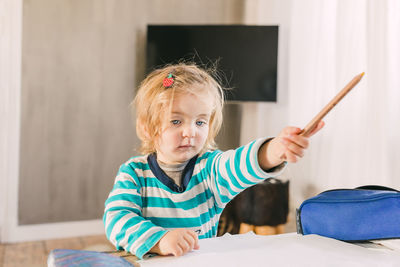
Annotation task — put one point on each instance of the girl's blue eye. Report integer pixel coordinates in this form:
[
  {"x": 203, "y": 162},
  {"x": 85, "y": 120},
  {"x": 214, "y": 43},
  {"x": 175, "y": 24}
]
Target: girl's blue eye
[
  {"x": 175, "y": 122},
  {"x": 200, "y": 123}
]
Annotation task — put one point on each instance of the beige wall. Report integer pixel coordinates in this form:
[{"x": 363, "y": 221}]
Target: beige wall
[{"x": 81, "y": 60}]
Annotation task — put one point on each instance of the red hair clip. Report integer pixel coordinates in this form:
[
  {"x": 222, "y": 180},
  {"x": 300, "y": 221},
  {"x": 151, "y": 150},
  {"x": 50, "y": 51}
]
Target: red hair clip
[{"x": 169, "y": 81}]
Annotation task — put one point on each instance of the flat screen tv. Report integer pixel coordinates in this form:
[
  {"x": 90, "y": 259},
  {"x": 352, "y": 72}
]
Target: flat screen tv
[{"x": 247, "y": 55}]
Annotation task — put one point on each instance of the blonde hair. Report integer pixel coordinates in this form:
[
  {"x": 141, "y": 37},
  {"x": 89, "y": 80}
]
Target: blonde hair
[{"x": 153, "y": 100}]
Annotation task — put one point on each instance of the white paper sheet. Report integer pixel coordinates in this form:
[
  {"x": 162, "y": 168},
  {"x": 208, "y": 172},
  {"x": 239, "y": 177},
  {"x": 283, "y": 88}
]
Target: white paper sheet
[
  {"x": 393, "y": 244},
  {"x": 278, "y": 250}
]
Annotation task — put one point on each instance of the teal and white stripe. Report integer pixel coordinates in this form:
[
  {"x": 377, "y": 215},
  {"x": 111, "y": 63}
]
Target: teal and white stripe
[{"x": 140, "y": 209}]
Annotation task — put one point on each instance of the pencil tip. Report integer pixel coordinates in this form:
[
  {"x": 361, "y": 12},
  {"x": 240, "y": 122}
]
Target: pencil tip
[{"x": 362, "y": 74}]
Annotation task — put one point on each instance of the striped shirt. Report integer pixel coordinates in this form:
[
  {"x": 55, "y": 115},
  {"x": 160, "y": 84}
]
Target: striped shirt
[{"x": 142, "y": 206}]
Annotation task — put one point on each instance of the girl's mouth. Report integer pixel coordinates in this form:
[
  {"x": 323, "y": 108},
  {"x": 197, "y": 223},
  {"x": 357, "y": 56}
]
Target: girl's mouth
[{"x": 186, "y": 146}]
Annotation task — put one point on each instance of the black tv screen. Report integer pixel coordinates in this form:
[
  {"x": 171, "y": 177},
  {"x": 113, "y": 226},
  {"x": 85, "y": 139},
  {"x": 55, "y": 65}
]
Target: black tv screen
[{"x": 247, "y": 55}]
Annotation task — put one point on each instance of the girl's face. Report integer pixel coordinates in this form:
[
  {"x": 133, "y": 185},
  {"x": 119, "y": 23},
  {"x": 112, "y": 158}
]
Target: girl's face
[{"x": 184, "y": 131}]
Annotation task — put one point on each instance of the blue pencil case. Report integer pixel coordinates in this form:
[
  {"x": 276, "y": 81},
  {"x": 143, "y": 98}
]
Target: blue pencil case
[{"x": 360, "y": 214}]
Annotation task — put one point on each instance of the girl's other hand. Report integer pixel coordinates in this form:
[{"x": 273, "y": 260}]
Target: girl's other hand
[{"x": 177, "y": 242}]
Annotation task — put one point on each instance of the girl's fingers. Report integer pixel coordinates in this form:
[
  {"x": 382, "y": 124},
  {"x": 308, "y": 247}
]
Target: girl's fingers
[
  {"x": 318, "y": 127},
  {"x": 301, "y": 141},
  {"x": 178, "y": 251},
  {"x": 190, "y": 241},
  {"x": 295, "y": 148},
  {"x": 292, "y": 151},
  {"x": 195, "y": 238},
  {"x": 290, "y": 157},
  {"x": 185, "y": 245},
  {"x": 294, "y": 144},
  {"x": 291, "y": 130}
]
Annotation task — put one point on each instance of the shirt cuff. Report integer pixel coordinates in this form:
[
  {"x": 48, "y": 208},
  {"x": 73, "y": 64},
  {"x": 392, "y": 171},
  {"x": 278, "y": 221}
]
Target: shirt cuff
[
  {"x": 150, "y": 243},
  {"x": 272, "y": 172}
]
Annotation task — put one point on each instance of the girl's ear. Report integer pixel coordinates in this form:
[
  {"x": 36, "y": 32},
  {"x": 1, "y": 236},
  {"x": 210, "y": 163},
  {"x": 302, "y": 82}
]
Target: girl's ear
[{"x": 144, "y": 130}]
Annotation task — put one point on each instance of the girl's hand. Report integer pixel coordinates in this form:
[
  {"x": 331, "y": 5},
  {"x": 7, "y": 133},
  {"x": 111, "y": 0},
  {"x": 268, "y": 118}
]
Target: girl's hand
[
  {"x": 288, "y": 146},
  {"x": 177, "y": 242}
]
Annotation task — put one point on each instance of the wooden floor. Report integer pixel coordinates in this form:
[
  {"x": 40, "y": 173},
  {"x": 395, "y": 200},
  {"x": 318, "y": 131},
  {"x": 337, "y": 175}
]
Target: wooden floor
[{"x": 34, "y": 254}]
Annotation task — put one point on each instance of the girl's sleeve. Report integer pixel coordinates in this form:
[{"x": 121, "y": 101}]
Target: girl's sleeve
[
  {"x": 124, "y": 225},
  {"x": 233, "y": 171}
]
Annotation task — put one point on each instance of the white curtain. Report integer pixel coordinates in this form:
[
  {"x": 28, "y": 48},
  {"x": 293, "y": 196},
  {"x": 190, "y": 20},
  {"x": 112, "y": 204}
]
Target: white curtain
[{"x": 330, "y": 42}]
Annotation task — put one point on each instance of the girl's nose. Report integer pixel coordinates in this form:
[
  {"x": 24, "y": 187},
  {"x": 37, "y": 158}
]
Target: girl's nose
[{"x": 188, "y": 131}]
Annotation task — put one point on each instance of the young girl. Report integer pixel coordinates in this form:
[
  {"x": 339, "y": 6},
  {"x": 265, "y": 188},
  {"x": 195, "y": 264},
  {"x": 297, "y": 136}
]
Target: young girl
[{"x": 166, "y": 200}]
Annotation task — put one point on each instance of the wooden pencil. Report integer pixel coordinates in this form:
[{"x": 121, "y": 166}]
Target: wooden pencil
[{"x": 313, "y": 123}]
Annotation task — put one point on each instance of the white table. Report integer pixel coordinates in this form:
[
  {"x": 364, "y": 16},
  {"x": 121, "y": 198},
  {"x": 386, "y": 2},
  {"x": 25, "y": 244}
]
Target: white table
[{"x": 282, "y": 250}]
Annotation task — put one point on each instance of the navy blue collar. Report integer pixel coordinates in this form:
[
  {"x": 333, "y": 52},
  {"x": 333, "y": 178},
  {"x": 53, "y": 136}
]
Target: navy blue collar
[{"x": 162, "y": 177}]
